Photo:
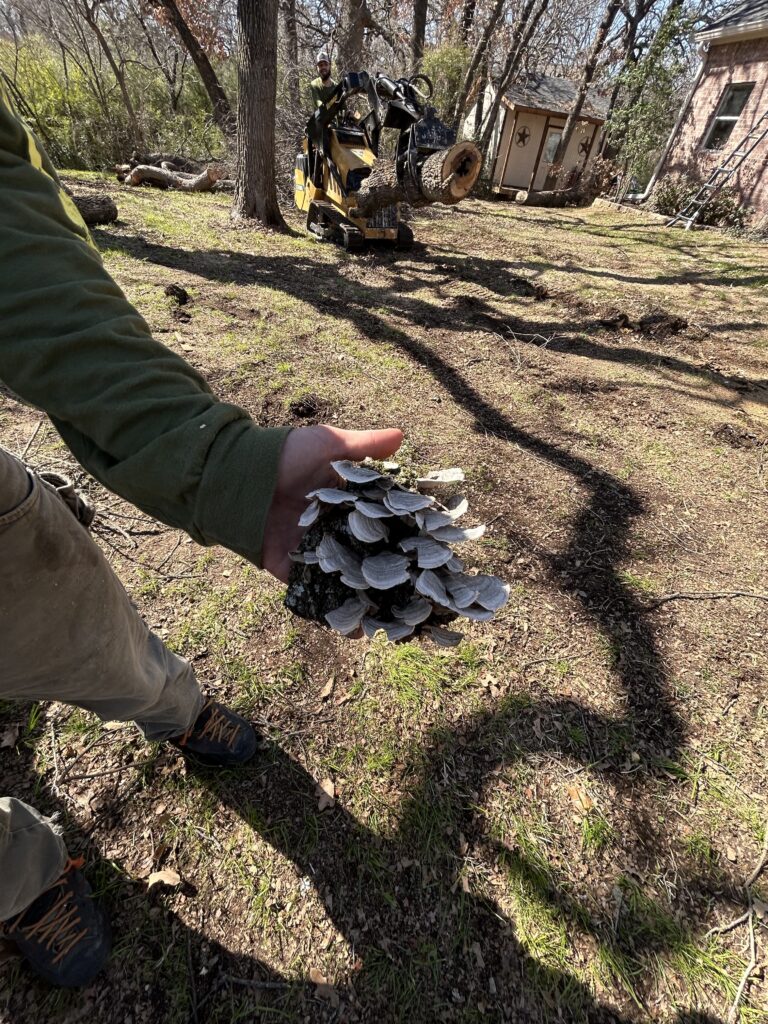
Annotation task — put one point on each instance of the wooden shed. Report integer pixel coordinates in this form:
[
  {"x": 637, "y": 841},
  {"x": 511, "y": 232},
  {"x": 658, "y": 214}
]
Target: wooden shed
[{"x": 529, "y": 126}]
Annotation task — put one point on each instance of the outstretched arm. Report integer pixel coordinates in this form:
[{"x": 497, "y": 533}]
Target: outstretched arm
[{"x": 134, "y": 414}]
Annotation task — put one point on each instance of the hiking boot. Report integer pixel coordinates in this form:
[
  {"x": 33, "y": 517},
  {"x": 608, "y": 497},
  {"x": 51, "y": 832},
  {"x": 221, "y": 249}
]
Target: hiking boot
[
  {"x": 218, "y": 737},
  {"x": 63, "y": 934}
]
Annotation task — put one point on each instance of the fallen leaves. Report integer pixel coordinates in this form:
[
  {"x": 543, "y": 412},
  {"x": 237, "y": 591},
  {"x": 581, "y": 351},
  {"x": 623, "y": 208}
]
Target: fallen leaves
[
  {"x": 326, "y": 793},
  {"x": 9, "y": 736},
  {"x": 164, "y": 877},
  {"x": 327, "y": 690},
  {"x": 322, "y": 989},
  {"x": 582, "y": 801}
]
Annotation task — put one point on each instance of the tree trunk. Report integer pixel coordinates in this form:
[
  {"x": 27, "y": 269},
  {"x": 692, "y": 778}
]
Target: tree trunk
[
  {"x": 480, "y": 108},
  {"x": 522, "y": 35},
  {"x": 352, "y": 35},
  {"x": 256, "y": 192},
  {"x": 222, "y": 112},
  {"x": 90, "y": 15},
  {"x": 419, "y": 31},
  {"x": 477, "y": 57},
  {"x": 447, "y": 176},
  {"x": 556, "y": 167},
  {"x": 292, "y": 52}
]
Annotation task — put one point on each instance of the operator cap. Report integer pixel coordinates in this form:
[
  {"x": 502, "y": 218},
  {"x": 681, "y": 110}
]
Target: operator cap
[{"x": 323, "y": 58}]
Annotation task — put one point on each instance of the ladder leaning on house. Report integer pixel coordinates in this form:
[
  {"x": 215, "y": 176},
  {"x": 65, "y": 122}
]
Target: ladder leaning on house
[{"x": 720, "y": 177}]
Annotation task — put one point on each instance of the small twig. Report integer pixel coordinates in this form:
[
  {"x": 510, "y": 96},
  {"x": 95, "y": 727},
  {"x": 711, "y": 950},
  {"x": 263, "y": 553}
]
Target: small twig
[
  {"x": 55, "y": 782},
  {"x": 170, "y": 554},
  {"x": 111, "y": 771},
  {"x": 23, "y": 455},
  {"x": 723, "y": 928},
  {"x": 99, "y": 739},
  {"x": 762, "y": 862},
  {"x": 703, "y": 596},
  {"x": 101, "y": 525},
  {"x": 733, "y": 1013},
  {"x": 255, "y": 984}
]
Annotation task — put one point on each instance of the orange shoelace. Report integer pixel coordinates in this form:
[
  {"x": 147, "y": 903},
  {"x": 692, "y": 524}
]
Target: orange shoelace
[
  {"x": 58, "y": 927},
  {"x": 218, "y": 728}
]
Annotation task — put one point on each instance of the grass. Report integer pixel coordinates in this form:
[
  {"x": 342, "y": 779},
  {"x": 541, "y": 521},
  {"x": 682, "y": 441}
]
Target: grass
[{"x": 454, "y": 830}]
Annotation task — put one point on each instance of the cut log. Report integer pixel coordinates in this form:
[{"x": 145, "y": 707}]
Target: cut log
[
  {"x": 178, "y": 163},
  {"x": 96, "y": 209},
  {"x": 447, "y": 176},
  {"x": 450, "y": 175},
  {"x": 163, "y": 178},
  {"x": 552, "y": 198}
]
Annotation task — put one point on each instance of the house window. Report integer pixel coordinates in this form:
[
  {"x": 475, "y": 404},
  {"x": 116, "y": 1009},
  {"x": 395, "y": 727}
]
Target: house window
[{"x": 729, "y": 110}]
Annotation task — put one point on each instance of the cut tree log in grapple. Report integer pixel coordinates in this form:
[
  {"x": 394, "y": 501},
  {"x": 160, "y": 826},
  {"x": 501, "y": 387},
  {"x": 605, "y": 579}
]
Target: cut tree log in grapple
[{"x": 350, "y": 193}]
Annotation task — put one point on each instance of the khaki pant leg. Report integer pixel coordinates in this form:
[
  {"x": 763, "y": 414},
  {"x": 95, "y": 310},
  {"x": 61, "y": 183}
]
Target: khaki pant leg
[
  {"x": 32, "y": 856},
  {"x": 68, "y": 631}
]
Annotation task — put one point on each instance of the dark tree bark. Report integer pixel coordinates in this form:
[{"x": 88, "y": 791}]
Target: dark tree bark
[
  {"x": 467, "y": 19},
  {"x": 256, "y": 192},
  {"x": 521, "y": 36},
  {"x": 482, "y": 87},
  {"x": 292, "y": 52},
  {"x": 222, "y": 112},
  {"x": 477, "y": 58},
  {"x": 356, "y": 19},
  {"x": 96, "y": 209},
  {"x": 419, "y": 31},
  {"x": 604, "y": 28}
]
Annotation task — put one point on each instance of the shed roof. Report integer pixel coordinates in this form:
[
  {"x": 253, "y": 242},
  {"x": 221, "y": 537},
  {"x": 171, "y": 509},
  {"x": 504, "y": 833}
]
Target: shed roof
[
  {"x": 544, "y": 92},
  {"x": 748, "y": 19}
]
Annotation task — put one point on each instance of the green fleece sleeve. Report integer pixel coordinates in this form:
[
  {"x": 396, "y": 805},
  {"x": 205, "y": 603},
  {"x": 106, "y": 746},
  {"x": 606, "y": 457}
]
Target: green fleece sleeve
[{"x": 134, "y": 414}]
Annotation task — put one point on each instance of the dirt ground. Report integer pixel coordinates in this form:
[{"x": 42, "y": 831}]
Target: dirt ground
[{"x": 543, "y": 825}]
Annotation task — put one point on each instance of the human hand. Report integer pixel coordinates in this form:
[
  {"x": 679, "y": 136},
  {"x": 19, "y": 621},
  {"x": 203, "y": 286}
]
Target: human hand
[{"x": 305, "y": 465}]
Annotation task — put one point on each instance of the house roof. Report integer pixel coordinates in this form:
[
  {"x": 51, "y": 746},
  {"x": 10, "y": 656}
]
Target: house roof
[
  {"x": 747, "y": 20},
  {"x": 557, "y": 95}
]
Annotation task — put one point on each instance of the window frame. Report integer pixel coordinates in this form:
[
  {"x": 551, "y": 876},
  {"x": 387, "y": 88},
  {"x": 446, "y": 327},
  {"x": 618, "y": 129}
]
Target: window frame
[{"x": 726, "y": 119}]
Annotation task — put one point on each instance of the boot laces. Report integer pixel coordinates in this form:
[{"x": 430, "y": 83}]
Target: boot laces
[
  {"x": 59, "y": 926},
  {"x": 218, "y": 728}
]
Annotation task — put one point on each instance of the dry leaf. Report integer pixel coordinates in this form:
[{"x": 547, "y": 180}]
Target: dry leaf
[
  {"x": 475, "y": 947},
  {"x": 326, "y": 791},
  {"x": 323, "y": 989},
  {"x": 327, "y": 690},
  {"x": 731, "y": 854},
  {"x": 581, "y": 799},
  {"x": 166, "y": 877},
  {"x": 8, "y": 736},
  {"x": 113, "y": 726}
]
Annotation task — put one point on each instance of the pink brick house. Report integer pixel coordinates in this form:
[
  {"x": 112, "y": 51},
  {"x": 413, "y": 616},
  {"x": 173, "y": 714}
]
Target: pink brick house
[{"x": 730, "y": 95}]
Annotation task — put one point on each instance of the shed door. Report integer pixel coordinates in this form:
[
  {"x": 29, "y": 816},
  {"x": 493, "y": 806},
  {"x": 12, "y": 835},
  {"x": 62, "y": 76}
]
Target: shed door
[
  {"x": 526, "y": 140},
  {"x": 547, "y": 155}
]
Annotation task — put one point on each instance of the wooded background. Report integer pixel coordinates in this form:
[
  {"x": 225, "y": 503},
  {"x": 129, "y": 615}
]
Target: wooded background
[{"x": 99, "y": 79}]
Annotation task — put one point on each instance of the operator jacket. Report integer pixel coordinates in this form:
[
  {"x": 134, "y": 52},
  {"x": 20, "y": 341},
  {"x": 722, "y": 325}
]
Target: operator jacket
[{"x": 134, "y": 414}]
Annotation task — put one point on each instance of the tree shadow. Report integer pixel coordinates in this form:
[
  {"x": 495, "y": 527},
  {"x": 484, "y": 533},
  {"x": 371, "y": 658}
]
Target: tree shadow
[{"x": 424, "y": 946}]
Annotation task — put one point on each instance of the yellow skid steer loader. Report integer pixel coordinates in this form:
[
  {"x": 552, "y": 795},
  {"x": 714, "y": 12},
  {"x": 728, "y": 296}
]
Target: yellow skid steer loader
[{"x": 350, "y": 194}]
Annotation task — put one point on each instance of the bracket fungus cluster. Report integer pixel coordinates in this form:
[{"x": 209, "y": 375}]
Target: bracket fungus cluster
[{"x": 377, "y": 555}]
